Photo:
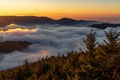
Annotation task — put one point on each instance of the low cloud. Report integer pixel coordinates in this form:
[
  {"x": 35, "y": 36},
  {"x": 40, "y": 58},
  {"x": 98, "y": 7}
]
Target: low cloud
[{"x": 47, "y": 40}]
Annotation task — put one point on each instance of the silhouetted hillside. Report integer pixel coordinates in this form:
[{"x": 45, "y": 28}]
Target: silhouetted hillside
[
  {"x": 10, "y": 46},
  {"x": 29, "y": 20},
  {"x": 67, "y": 21},
  {"x": 104, "y": 25},
  {"x": 5, "y": 20}
]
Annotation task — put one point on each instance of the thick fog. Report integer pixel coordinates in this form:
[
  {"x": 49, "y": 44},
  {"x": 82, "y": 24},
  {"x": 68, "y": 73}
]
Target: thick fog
[{"x": 46, "y": 40}]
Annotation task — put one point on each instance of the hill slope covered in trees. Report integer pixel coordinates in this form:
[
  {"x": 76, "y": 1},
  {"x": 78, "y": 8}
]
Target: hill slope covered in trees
[
  {"x": 10, "y": 46},
  {"x": 98, "y": 62}
]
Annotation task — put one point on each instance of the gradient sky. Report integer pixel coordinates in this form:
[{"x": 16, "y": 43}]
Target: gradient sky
[{"x": 77, "y": 9}]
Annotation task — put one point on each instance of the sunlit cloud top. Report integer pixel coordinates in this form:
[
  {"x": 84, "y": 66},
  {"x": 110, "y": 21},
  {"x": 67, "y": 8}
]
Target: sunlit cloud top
[
  {"x": 18, "y": 31},
  {"x": 78, "y": 9}
]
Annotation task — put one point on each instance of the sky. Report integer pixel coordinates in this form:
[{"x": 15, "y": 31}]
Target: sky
[{"x": 77, "y": 9}]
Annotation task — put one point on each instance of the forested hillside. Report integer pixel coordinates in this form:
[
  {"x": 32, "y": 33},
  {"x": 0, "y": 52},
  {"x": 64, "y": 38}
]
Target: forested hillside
[
  {"x": 10, "y": 46},
  {"x": 98, "y": 62}
]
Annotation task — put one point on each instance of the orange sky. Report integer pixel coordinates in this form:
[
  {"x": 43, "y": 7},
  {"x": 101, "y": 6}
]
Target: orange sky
[{"x": 77, "y": 9}]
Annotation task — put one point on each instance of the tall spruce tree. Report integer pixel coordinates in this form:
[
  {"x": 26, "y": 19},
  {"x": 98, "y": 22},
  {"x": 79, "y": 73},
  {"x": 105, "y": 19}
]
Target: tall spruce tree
[
  {"x": 109, "y": 51},
  {"x": 90, "y": 43},
  {"x": 112, "y": 41}
]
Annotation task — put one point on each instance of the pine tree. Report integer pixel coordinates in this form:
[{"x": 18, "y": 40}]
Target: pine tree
[
  {"x": 109, "y": 52},
  {"x": 90, "y": 43},
  {"x": 87, "y": 60},
  {"x": 111, "y": 45},
  {"x": 26, "y": 70}
]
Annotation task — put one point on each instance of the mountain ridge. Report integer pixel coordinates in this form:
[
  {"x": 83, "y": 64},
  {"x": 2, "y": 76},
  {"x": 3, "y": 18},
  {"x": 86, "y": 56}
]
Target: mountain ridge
[
  {"x": 23, "y": 20},
  {"x": 33, "y": 20},
  {"x": 104, "y": 25}
]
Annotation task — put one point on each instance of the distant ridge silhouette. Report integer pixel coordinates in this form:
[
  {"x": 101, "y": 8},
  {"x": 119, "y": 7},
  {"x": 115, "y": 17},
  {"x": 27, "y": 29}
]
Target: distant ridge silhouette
[
  {"x": 104, "y": 25},
  {"x": 28, "y": 20}
]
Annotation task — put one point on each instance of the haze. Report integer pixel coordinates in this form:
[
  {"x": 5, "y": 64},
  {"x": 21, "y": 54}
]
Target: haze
[{"x": 102, "y": 10}]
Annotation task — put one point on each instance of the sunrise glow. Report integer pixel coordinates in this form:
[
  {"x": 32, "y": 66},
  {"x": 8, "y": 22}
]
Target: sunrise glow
[{"x": 77, "y": 9}]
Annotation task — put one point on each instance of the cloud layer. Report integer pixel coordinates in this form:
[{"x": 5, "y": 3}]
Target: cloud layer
[{"x": 47, "y": 40}]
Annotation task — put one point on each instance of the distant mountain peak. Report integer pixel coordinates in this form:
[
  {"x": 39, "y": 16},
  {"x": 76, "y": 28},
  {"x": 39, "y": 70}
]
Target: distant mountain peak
[{"x": 67, "y": 19}]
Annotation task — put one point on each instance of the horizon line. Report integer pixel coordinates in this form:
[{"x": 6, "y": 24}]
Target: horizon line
[
  {"x": 49, "y": 17},
  {"x": 88, "y": 19}
]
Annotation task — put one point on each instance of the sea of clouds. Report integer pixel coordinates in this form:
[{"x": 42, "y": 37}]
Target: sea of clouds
[{"x": 47, "y": 40}]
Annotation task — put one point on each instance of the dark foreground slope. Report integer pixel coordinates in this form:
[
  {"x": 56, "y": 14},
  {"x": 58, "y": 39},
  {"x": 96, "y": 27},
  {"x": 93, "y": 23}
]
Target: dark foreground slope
[
  {"x": 97, "y": 63},
  {"x": 10, "y": 46}
]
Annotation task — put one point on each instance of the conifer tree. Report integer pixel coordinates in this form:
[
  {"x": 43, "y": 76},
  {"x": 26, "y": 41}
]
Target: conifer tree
[
  {"x": 112, "y": 41},
  {"x": 90, "y": 43},
  {"x": 110, "y": 51}
]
